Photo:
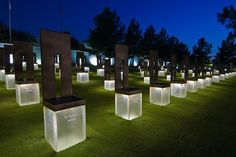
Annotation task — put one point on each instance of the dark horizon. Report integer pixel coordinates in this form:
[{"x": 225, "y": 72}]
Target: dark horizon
[{"x": 187, "y": 20}]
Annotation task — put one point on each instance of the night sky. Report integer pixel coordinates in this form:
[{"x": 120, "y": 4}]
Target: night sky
[{"x": 186, "y": 19}]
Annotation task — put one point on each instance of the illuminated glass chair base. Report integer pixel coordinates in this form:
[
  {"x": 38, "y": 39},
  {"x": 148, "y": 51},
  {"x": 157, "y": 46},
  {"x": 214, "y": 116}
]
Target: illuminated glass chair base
[
  {"x": 109, "y": 85},
  {"x": 100, "y": 72},
  {"x": 82, "y": 77},
  {"x": 128, "y": 103},
  {"x": 64, "y": 122},
  {"x": 178, "y": 89},
  {"x": 192, "y": 85},
  {"x": 36, "y": 66},
  {"x": 27, "y": 93},
  {"x": 146, "y": 80},
  {"x": 87, "y": 69},
  {"x": 216, "y": 78},
  {"x": 201, "y": 83},
  {"x": 10, "y": 81},
  {"x": 142, "y": 73},
  {"x": 2, "y": 75},
  {"x": 222, "y": 77},
  {"x": 226, "y": 75},
  {"x": 159, "y": 94},
  {"x": 208, "y": 81},
  {"x": 161, "y": 73},
  {"x": 168, "y": 77}
]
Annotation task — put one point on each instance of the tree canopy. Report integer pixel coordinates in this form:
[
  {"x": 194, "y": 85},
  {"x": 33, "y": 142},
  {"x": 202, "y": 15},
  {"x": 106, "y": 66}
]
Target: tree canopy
[{"x": 107, "y": 32}]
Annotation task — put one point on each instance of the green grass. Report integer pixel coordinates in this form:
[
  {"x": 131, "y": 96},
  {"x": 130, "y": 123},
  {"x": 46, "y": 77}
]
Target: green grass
[{"x": 203, "y": 124}]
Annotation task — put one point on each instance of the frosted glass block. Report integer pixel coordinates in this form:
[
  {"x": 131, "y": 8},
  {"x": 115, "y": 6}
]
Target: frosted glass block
[
  {"x": 100, "y": 72},
  {"x": 216, "y": 78},
  {"x": 208, "y": 73},
  {"x": 161, "y": 73},
  {"x": 222, "y": 76},
  {"x": 2, "y": 75},
  {"x": 87, "y": 69},
  {"x": 36, "y": 66},
  {"x": 182, "y": 75},
  {"x": 216, "y": 72},
  {"x": 192, "y": 86},
  {"x": 10, "y": 81},
  {"x": 142, "y": 73},
  {"x": 208, "y": 81},
  {"x": 128, "y": 106},
  {"x": 24, "y": 66},
  {"x": 179, "y": 90},
  {"x": 193, "y": 74},
  {"x": 226, "y": 76},
  {"x": 83, "y": 77},
  {"x": 57, "y": 65},
  {"x": 168, "y": 77},
  {"x": 146, "y": 80},
  {"x": 64, "y": 128},
  {"x": 109, "y": 84},
  {"x": 159, "y": 95},
  {"x": 190, "y": 71},
  {"x": 201, "y": 83},
  {"x": 27, "y": 94}
]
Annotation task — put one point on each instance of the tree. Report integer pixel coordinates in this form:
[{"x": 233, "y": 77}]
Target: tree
[
  {"x": 161, "y": 43},
  {"x": 226, "y": 54},
  {"x": 202, "y": 50},
  {"x": 149, "y": 39},
  {"x": 17, "y": 35},
  {"x": 107, "y": 32},
  {"x": 133, "y": 37},
  {"x": 228, "y": 18}
]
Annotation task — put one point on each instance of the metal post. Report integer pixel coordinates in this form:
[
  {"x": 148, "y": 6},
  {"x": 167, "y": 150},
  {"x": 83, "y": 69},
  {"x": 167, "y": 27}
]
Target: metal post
[{"x": 9, "y": 9}]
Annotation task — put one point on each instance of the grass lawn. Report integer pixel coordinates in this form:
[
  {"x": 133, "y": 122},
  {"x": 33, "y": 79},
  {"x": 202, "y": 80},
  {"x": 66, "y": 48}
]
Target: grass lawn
[{"x": 203, "y": 124}]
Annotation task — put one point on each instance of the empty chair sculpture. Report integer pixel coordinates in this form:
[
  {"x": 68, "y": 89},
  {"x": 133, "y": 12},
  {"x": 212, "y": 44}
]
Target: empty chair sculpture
[
  {"x": 64, "y": 115},
  {"x": 27, "y": 89},
  {"x": 128, "y": 101}
]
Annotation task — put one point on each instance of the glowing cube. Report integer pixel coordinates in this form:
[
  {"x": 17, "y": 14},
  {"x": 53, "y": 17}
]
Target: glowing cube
[
  {"x": 83, "y": 77},
  {"x": 109, "y": 84},
  {"x": 208, "y": 81},
  {"x": 222, "y": 76},
  {"x": 201, "y": 83},
  {"x": 146, "y": 80},
  {"x": 168, "y": 77},
  {"x": 215, "y": 78},
  {"x": 36, "y": 66},
  {"x": 178, "y": 89},
  {"x": 208, "y": 73},
  {"x": 2, "y": 75},
  {"x": 216, "y": 72},
  {"x": 192, "y": 86},
  {"x": 24, "y": 66},
  {"x": 100, "y": 72},
  {"x": 27, "y": 94},
  {"x": 128, "y": 106},
  {"x": 161, "y": 73},
  {"x": 10, "y": 81},
  {"x": 142, "y": 73},
  {"x": 64, "y": 128},
  {"x": 87, "y": 69},
  {"x": 226, "y": 76},
  {"x": 160, "y": 95},
  {"x": 121, "y": 75}
]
